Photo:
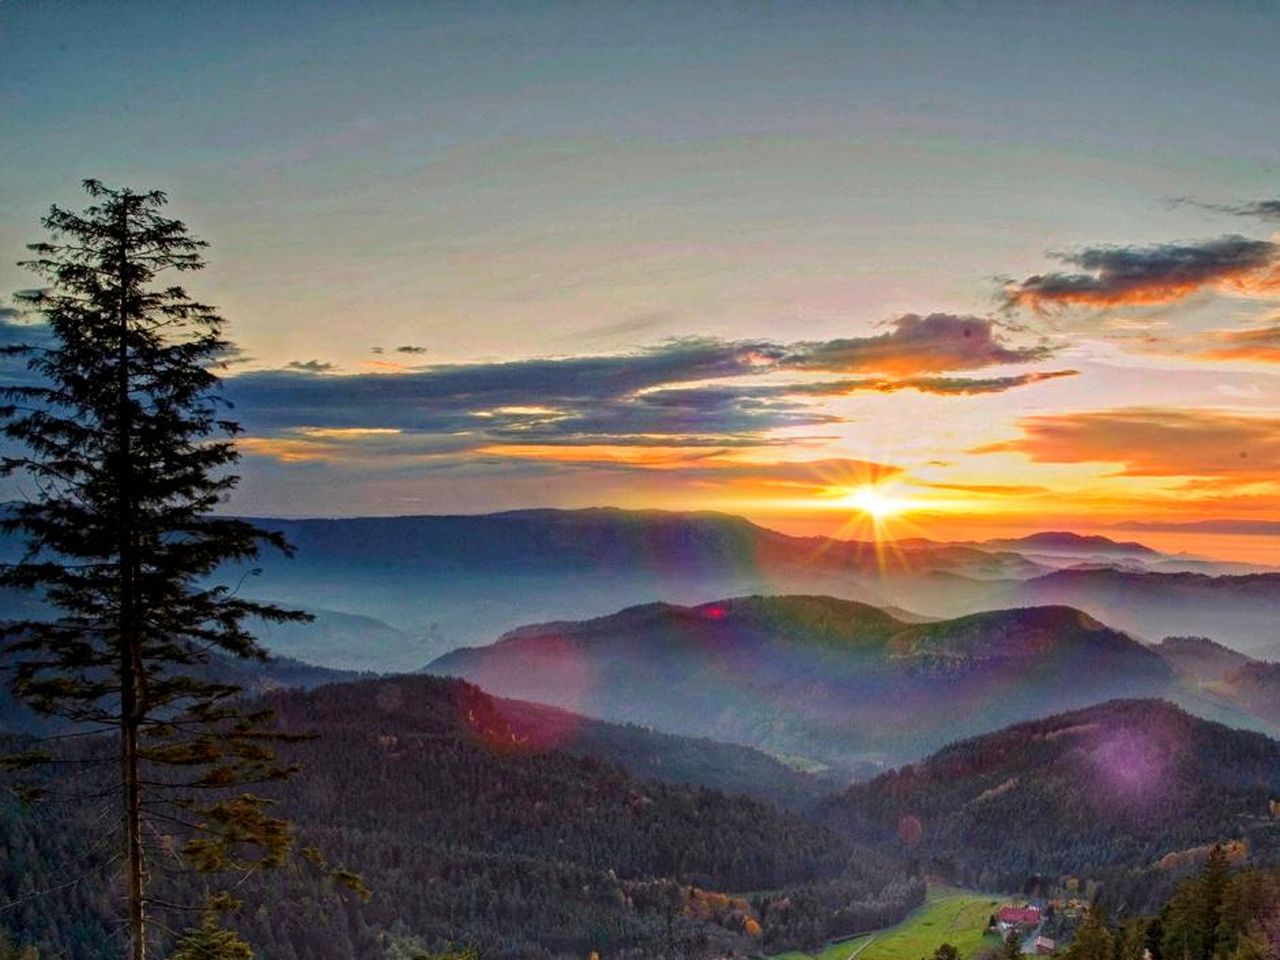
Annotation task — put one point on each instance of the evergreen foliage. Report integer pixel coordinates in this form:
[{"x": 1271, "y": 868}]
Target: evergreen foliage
[{"x": 121, "y": 440}]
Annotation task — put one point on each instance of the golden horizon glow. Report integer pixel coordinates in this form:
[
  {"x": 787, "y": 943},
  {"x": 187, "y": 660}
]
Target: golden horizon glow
[{"x": 876, "y": 502}]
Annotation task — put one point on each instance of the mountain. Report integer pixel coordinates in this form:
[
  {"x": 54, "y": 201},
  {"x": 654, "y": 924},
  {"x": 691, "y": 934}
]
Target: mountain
[
  {"x": 457, "y": 580},
  {"x": 1200, "y": 658},
  {"x": 468, "y": 829},
  {"x": 653, "y": 755},
  {"x": 392, "y": 593},
  {"x": 837, "y": 681},
  {"x": 344, "y": 641},
  {"x": 1254, "y": 687},
  {"x": 1242, "y": 612},
  {"x": 1117, "y": 785},
  {"x": 1064, "y": 543}
]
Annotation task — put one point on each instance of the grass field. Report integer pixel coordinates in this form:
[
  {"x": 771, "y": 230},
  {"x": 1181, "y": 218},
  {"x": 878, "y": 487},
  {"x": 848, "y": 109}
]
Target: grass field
[{"x": 949, "y": 915}]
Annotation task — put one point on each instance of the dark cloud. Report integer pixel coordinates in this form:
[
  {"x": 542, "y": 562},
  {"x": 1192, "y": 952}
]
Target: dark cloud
[
  {"x": 15, "y": 333},
  {"x": 940, "y": 386},
  {"x": 410, "y": 348},
  {"x": 660, "y": 397},
  {"x": 1126, "y": 276},
  {"x": 310, "y": 366},
  {"x": 916, "y": 344},
  {"x": 377, "y": 350},
  {"x": 1261, "y": 209},
  {"x": 574, "y": 400}
]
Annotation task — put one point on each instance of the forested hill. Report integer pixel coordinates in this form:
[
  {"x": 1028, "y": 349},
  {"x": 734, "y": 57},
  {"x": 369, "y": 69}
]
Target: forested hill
[
  {"x": 1118, "y": 785},
  {"x": 830, "y": 679},
  {"x": 469, "y": 830}
]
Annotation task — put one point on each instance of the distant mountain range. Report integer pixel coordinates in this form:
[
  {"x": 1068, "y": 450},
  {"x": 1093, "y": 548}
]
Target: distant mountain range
[
  {"x": 822, "y": 678},
  {"x": 1121, "y": 784},
  {"x": 393, "y": 593}
]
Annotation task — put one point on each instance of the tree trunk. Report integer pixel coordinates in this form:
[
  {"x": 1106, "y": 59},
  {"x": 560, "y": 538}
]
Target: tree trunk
[{"x": 130, "y": 642}]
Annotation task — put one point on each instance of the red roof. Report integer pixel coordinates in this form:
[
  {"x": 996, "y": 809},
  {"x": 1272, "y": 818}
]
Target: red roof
[{"x": 1019, "y": 915}]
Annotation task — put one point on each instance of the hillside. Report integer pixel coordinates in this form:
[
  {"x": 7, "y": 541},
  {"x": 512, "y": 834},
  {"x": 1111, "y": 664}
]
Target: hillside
[
  {"x": 469, "y": 830},
  {"x": 1200, "y": 658},
  {"x": 828, "y": 679},
  {"x": 1255, "y": 687},
  {"x": 1241, "y": 611},
  {"x": 1117, "y": 785}
]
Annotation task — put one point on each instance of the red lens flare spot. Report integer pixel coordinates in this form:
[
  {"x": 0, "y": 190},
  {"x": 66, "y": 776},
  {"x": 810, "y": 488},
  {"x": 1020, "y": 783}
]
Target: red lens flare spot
[{"x": 910, "y": 829}]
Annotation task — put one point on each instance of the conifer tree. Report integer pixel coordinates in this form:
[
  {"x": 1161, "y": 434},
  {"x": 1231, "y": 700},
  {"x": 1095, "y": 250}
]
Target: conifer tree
[
  {"x": 1012, "y": 947},
  {"x": 120, "y": 442},
  {"x": 1094, "y": 939}
]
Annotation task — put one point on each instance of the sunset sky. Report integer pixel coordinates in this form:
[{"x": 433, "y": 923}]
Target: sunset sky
[{"x": 1014, "y": 267}]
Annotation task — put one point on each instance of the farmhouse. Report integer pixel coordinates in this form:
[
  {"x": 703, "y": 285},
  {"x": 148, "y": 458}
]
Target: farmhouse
[{"x": 1017, "y": 918}]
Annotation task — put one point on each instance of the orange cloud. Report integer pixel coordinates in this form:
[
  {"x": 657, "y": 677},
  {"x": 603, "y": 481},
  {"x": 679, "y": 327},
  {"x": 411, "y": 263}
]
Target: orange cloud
[
  {"x": 938, "y": 386},
  {"x": 916, "y": 344},
  {"x": 1163, "y": 273},
  {"x": 1260, "y": 344},
  {"x": 1154, "y": 442}
]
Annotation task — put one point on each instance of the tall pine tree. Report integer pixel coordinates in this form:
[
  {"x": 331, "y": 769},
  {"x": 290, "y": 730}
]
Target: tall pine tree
[{"x": 121, "y": 443}]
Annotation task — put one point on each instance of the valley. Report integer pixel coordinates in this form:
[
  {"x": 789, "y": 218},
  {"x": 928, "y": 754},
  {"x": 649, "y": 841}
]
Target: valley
[{"x": 949, "y": 915}]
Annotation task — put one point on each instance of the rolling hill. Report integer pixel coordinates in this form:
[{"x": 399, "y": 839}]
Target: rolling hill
[
  {"x": 1242, "y": 612},
  {"x": 472, "y": 829},
  {"x": 1200, "y": 658},
  {"x": 816, "y": 677},
  {"x": 1117, "y": 785}
]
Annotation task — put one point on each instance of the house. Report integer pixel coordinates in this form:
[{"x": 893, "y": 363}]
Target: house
[
  {"x": 1017, "y": 918},
  {"x": 1044, "y": 946}
]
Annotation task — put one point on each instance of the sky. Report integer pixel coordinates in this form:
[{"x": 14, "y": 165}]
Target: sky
[{"x": 966, "y": 269}]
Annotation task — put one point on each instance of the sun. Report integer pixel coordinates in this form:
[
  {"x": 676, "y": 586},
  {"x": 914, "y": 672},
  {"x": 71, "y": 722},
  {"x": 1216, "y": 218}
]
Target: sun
[{"x": 875, "y": 503}]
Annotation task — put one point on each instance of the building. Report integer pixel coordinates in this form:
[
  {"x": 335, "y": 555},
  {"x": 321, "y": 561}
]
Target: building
[{"x": 1017, "y": 918}]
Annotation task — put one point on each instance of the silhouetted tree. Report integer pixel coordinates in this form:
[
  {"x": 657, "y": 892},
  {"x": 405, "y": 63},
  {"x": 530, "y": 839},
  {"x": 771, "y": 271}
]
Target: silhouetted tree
[
  {"x": 121, "y": 440},
  {"x": 1012, "y": 948}
]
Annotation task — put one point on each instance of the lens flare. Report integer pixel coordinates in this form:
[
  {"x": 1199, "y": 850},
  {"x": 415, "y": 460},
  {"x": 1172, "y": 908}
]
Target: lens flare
[{"x": 876, "y": 502}]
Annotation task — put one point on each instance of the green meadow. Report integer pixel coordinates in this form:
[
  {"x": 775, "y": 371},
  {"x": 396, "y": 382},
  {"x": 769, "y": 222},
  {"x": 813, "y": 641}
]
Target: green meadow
[{"x": 949, "y": 915}]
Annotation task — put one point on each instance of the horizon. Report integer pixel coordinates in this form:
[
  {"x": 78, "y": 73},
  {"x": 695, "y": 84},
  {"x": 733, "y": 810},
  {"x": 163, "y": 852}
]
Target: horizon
[{"x": 479, "y": 259}]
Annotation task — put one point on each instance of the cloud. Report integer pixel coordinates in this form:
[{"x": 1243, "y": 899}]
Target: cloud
[
  {"x": 625, "y": 398},
  {"x": 916, "y": 344},
  {"x": 991, "y": 489},
  {"x": 1256, "y": 528},
  {"x": 1155, "y": 442},
  {"x": 410, "y": 348},
  {"x": 1260, "y": 344},
  {"x": 310, "y": 366},
  {"x": 690, "y": 392},
  {"x": 939, "y": 386},
  {"x": 1261, "y": 209},
  {"x": 1163, "y": 273}
]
